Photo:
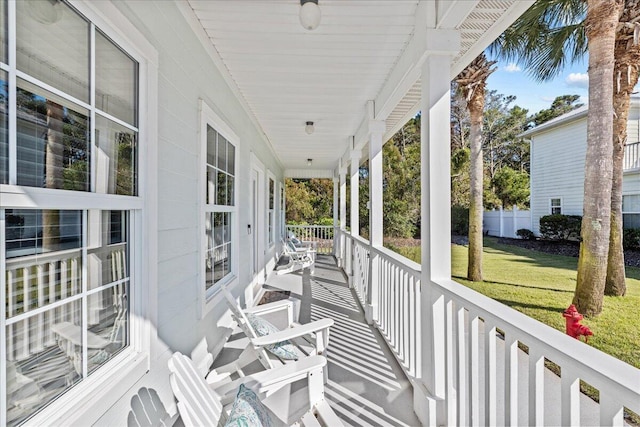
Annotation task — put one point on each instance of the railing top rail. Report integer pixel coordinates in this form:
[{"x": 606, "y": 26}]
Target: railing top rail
[
  {"x": 402, "y": 261},
  {"x": 358, "y": 239},
  {"x": 308, "y": 226},
  {"x": 42, "y": 258},
  {"x": 599, "y": 369}
]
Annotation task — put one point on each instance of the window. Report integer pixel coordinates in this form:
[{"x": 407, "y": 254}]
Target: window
[
  {"x": 283, "y": 223},
  {"x": 631, "y": 211},
  {"x": 555, "y": 205},
  {"x": 219, "y": 206},
  {"x": 272, "y": 211},
  {"x": 65, "y": 248}
]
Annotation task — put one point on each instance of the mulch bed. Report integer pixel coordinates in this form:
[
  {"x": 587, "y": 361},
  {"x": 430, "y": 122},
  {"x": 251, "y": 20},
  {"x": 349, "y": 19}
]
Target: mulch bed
[{"x": 273, "y": 296}]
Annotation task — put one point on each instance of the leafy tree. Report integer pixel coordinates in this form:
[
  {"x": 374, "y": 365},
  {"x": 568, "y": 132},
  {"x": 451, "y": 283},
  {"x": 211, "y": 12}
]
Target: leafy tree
[
  {"x": 299, "y": 207},
  {"x": 561, "y": 105},
  {"x": 511, "y": 186}
]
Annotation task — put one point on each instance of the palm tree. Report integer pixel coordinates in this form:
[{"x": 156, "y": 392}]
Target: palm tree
[
  {"x": 549, "y": 35},
  {"x": 472, "y": 82},
  {"x": 627, "y": 57}
]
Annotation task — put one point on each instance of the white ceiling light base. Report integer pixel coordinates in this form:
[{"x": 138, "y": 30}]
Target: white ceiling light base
[{"x": 310, "y": 14}]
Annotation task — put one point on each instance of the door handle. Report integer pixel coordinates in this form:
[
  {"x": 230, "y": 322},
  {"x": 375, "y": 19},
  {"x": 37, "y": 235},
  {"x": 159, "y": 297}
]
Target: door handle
[{"x": 248, "y": 228}]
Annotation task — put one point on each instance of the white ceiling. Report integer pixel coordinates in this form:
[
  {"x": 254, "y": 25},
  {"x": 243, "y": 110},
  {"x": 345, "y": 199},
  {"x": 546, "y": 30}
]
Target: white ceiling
[{"x": 288, "y": 75}]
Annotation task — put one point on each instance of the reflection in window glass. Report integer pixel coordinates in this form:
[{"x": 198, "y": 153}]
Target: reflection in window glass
[
  {"x": 108, "y": 247},
  {"x": 53, "y": 146},
  {"x": 218, "y": 252},
  {"x": 4, "y": 142},
  {"x": 46, "y": 363},
  {"x": 116, "y": 78},
  {"x": 220, "y": 169},
  {"x": 53, "y": 45},
  {"x": 116, "y": 156},
  {"x": 3, "y": 31}
]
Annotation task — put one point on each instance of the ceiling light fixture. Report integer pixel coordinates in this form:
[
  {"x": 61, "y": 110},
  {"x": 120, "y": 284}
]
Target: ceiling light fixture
[
  {"x": 310, "y": 14},
  {"x": 309, "y": 128},
  {"x": 309, "y": 162}
]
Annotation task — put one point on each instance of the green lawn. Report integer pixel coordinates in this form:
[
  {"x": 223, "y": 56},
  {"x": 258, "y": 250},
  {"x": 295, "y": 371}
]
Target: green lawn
[{"x": 541, "y": 286}]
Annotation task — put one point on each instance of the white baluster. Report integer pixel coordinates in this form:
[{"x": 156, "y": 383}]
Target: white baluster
[
  {"x": 11, "y": 308},
  {"x": 611, "y": 412},
  {"x": 40, "y": 325},
  {"x": 490, "y": 380},
  {"x": 536, "y": 387},
  {"x": 51, "y": 339},
  {"x": 26, "y": 303},
  {"x": 474, "y": 362},
  {"x": 511, "y": 381},
  {"x": 64, "y": 310},
  {"x": 462, "y": 378},
  {"x": 450, "y": 360},
  {"x": 569, "y": 396}
]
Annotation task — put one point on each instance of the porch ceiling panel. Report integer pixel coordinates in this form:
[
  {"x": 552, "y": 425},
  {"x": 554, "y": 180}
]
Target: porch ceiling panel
[{"x": 288, "y": 76}]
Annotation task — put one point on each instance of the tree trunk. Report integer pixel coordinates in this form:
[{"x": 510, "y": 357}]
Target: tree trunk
[
  {"x": 627, "y": 60},
  {"x": 53, "y": 173},
  {"x": 601, "y": 22},
  {"x": 476, "y": 107}
]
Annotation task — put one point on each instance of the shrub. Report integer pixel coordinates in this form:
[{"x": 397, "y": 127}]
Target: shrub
[
  {"x": 526, "y": 234},
  {"x": 460, "y": 220},
  {"x": 560, "y": 227},
  {"x": 631, "y": 238}
]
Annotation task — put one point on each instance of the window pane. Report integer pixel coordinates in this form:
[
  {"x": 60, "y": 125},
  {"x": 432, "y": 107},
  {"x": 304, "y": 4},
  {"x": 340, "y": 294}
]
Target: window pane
[
  {"x": 53, "y": 150},
  {"x": 108, "y": 247},
  {"x": 3, "y": 31},
  {"x": 218, "y": 230},
  {"x": 227, "y": 228},
  {"x": 53, "y": 46},
  {"x": 222, "y": 189},
  {"x": 33, "y": 232},
  {"x": 4, "y": 142},
  {"x": 272, "y": 194},
  {"x": 116, "y": 79},
  {"x": 222, "y": 153},
  {"x": 44, "y": 359},
  {"x": 631, "y": 203},
  {"x": 116, "y": 158},
  {"x": 212, "y": 154},
  {"x": 108, "y": 321},
  {"x": 211, "y": 185},
  {"x": 231, "y": 158},
  {"x": 631, "y": 220},
  {"x": 230, "y": 191}
]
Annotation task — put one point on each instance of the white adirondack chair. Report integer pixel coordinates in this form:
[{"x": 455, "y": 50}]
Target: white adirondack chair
[
  {"x": 299, "y": 257},
  {"x": 309, "y": 339},
  {"x": 200, "y": 405}
]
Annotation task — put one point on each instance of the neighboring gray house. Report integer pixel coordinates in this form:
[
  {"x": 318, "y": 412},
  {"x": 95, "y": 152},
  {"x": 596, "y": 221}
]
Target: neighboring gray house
[{"x": 558, "y": 149}]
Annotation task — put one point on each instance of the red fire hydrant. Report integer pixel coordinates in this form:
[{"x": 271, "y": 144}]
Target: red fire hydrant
[{"x": 573, "y": 327}]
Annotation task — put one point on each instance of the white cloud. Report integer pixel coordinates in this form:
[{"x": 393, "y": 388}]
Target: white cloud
[
  {"x": 512, "y": 68},
  {"x": 578, "y": 80}
]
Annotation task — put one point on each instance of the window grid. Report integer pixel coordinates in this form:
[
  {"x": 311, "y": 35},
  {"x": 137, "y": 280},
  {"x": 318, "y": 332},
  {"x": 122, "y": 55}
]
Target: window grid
[
  {"x": 272, "y": 218},
  {"x": 555, "y": 206},
  {"x": 69, "y": 285}
]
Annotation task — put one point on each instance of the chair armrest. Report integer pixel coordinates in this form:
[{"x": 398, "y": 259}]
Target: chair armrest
[
  {"x": 270, "y": 307},
  {"x": 295, "y": 332},
  {"x": 273, "y": 379}
]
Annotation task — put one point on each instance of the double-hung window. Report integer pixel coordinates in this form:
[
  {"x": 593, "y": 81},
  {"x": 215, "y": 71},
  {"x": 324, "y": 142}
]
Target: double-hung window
[
  {"x": 555, "y": 205},
  {"x": 272, "y": 211},
  {"x": 69, "y": 192},
  {"x": 631, "y": 210},
  {"x": 220, "y": 217},
  {"x": 283, "y": 224}
]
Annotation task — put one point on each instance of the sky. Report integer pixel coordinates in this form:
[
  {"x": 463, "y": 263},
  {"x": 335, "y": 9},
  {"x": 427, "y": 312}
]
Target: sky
[{"x": 511, "y": 79}]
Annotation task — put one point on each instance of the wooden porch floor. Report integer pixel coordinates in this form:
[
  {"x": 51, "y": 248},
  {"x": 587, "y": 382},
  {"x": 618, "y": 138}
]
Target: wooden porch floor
[{"x": 366, "y": 386}]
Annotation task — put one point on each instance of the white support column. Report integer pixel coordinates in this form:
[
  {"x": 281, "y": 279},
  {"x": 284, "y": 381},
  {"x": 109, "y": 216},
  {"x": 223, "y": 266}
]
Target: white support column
[
  {"x": 336, "y": 221},
  {"x": 343, "y": 214},
  {"x": 355, "y": 193},
  {"x": 376, "y": 132},
  {"x": 436, "y": 230}
]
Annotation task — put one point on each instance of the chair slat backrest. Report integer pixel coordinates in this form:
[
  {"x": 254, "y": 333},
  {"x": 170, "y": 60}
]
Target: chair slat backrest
[
  {"x": 197, "y": 403},
  {"x": 238, "y": 314}
]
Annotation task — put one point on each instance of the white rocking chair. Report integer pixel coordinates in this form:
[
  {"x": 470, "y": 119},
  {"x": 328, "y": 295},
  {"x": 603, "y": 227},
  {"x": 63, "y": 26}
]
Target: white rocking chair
[
  {"x": 299, "y": 257},
  {"x": 308, "y": 339},
  {"x": 200, "y": 405}
]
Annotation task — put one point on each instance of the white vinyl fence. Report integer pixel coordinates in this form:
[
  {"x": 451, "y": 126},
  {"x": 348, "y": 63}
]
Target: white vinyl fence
[{"x": 505, "y": 223}]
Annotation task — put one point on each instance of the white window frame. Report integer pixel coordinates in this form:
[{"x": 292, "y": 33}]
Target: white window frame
[
  {"x": 100, "y": 390},
  {"x": 283, "y": 210},
  {"x": 209, "y": 118},
  {"x": 271, "y": 211},
  {"x": 629, "y": 212},
  {"x": 551, "y": 199}
]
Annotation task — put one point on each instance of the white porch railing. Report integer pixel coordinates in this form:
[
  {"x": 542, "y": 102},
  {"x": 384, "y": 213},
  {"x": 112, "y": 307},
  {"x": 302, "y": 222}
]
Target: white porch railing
[
  {"x": 473, "y": 342},
  {"x": 632, "y": 156},
  {"x": 321, "y": 234}
]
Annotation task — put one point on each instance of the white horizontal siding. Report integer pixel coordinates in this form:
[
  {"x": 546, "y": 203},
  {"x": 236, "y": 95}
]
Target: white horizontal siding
[
  {"x": 557, "y": 169},
  {"x": 631, "y": 183}
]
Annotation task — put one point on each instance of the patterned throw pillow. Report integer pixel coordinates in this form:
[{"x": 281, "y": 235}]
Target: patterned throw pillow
[
  {"x": 282, "y": 349},
  {"x": 248, "y": 411}
]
